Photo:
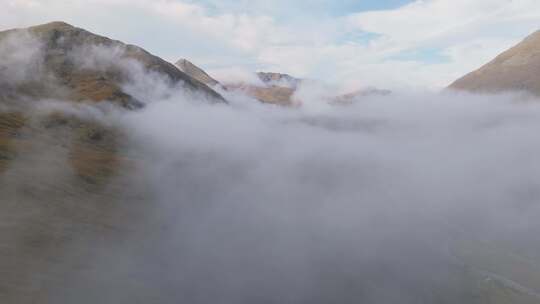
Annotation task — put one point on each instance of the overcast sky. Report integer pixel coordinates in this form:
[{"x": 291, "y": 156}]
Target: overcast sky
[{"x": 383, "y": 43}]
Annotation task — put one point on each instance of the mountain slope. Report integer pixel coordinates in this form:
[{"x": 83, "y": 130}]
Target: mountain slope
[
  {"x": 195, "y": 72},
  {"x": 70, "y": 63},
  {"x": 272, "y": 94},
  {"x": 62, "y": 171},
  {"x": 276, "y": 88},
  {"x": 278, "y": 79},
  {"x": 66, "y": 175},
  {"x": 279, "y": 88},
  {"x": 517, "y": 69}
]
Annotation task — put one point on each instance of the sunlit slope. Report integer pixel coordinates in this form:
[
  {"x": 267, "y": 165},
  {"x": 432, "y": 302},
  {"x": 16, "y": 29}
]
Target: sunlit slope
[{"x": 517, "y": 69}]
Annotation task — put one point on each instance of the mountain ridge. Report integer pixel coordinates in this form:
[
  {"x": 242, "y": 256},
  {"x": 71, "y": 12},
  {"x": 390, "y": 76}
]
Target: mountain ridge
[
  {"x": 57, "y": 56},
  {"x": 194, "y": 71}
]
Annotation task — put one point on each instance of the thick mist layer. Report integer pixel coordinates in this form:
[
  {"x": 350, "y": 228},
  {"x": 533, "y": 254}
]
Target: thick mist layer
[
  {"x": 371, "y": 203},
  {"x": 409, "y": 198}
]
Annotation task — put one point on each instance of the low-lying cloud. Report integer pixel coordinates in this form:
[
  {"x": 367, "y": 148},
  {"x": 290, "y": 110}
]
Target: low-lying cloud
[{"x": 362, "y": 203}]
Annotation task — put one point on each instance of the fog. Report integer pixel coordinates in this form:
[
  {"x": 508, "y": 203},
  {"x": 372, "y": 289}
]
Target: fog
[
  {"x": 320, "y": 204},
  {"x": 363, "y": 203}
]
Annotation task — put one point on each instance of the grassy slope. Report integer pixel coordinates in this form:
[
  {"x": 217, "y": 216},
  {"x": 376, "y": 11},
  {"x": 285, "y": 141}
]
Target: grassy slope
[{"x": 61, "y": 187}]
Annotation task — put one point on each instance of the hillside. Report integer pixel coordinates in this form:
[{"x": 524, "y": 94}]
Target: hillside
[
  {"x": 516, "y": 69},
  {"x": 64, "y": 170},
  {"x": 79, "y": 66}
]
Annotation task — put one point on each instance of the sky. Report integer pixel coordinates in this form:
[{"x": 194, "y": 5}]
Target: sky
[{"x": 413, "y": 44}]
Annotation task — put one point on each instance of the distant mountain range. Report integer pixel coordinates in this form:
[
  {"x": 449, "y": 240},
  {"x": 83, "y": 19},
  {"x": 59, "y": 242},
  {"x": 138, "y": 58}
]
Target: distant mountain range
[{"x": 275, "y": 88}]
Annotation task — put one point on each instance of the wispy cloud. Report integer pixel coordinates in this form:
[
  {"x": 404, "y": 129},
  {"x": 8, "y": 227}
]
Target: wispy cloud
[{"x": 423, "y": 43}]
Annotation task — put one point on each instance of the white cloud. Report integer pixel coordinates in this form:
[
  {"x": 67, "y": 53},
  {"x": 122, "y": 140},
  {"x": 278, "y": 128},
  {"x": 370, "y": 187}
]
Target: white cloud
[
  {"x": 468, "y": 33},
  {"x": 223, "y": 37},
  {"x": 234, "y": 75},
  {"x": 423, "y": 20}
]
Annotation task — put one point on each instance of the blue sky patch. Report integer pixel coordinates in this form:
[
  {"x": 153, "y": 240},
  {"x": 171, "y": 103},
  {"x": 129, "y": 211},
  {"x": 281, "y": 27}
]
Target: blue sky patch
[
  {"x": 357, "y": 37},
  {"x": 286, "y": 9},
  {"x": 352, "y": 6}
]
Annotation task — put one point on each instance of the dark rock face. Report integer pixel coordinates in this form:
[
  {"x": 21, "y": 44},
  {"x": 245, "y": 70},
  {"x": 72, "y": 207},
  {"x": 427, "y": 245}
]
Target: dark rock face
[
  {"x": 66, "y": 62},
  {"x": 517, "y": 69}
]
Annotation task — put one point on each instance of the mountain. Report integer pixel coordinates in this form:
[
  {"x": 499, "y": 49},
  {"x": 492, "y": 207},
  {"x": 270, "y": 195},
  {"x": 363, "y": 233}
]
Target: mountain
[
  {"x": 59, "y": 62},
  {"x": 79, "y": 66},
  {"x": 63, "y": 169},
  {"x": 68, "y": 65},
  {"x": 195, "y": 72},
  {"x": 274, "y": 88},
  {"x": 278, "y": 79},
  {"x": 517, "y": 69}
]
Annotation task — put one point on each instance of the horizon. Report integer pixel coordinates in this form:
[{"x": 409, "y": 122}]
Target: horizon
[{"x": 398, "y": 44}]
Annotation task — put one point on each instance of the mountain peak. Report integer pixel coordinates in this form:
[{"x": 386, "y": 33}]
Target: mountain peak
[
  {"x": 278, "y": 79},
  {"x": 53, "y": 25},
  {"x": 194, "y": 71},
  {"x": 83, "y": 65}
]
